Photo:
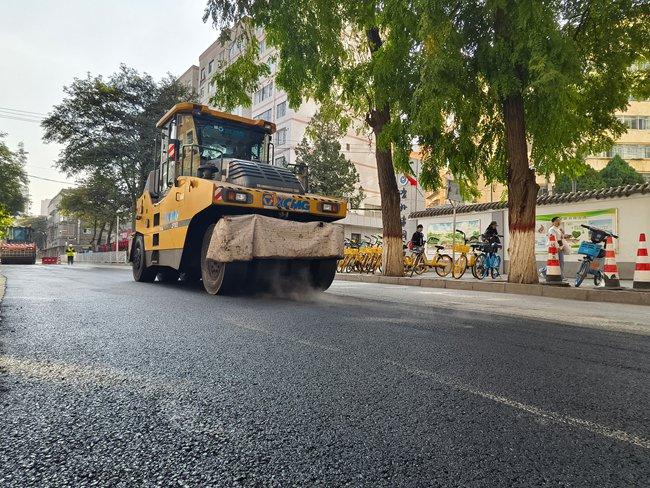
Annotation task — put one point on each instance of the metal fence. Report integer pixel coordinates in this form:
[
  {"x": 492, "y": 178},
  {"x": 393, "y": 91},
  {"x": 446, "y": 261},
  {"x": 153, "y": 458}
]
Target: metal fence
[{"x": 116, "y": 257}]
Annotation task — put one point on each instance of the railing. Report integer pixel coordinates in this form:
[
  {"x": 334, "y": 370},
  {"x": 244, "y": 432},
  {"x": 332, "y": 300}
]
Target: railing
[{"x": 118, "y": 257}]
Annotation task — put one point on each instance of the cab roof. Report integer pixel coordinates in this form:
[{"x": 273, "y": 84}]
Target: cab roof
[{"x": 195, "y": 108}]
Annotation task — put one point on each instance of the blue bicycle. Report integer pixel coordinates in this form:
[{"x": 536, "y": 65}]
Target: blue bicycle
[
  {"x": 489, "y": 262},
  {"x": 594, "y": 254}
]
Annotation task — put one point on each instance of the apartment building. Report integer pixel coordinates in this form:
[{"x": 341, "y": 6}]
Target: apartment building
[
  {"x": 634, "y": 145},
  {"x": 269, "y": 102}
]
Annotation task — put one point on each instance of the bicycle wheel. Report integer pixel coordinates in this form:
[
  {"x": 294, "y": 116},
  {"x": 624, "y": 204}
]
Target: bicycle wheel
[
  {"x": 478, "y": 270},
  {"x": 460, "y": 266},
  {"x": 582, "y": 272},
  {"x": 494, "y": 270},
  {"x": 421, "y": 266},
  {"x": 598, "y": 278},
  {"x": 443, "y": 265}
]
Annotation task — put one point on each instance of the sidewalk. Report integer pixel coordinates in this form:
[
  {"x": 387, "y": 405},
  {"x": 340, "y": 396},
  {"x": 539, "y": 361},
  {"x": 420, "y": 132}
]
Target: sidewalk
[{"x": 587, "y": 294}]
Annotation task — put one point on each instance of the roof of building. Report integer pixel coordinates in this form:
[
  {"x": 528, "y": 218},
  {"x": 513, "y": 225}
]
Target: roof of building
[{"x": 578, "y": 196}]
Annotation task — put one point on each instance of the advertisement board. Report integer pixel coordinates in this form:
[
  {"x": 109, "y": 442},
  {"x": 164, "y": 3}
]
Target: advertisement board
[
  {"x": 444, "y": 232},
  {"x": 571, "y": 222}
]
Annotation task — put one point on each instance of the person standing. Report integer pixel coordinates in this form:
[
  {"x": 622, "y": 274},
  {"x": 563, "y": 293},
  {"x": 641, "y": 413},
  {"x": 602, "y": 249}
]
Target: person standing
[
  {"x": 70, "y": 253},
  {"x": 417, "y": 240},
  {"x": 560, "y": 238}
]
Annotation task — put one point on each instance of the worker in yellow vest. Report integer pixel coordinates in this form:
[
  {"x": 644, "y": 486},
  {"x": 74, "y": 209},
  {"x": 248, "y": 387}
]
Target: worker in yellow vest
[{"x": 70, "y": 253}]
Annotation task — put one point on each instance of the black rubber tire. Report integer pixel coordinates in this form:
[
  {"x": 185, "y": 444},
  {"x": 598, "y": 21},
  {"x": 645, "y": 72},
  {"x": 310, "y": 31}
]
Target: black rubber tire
[
  {"x": 598, "y": 278},
  {"x": 478, "y": 270},
  {"x": 168, "y": 275},
  {"x": 459, "y": 268},
  {"x": 221, "y": 278},
  {"x": 322, "y": 273},
  {"x": 141, "y": 272},
  {"x": 443, "y": 271},
  {"x": 582, "y": 272}
]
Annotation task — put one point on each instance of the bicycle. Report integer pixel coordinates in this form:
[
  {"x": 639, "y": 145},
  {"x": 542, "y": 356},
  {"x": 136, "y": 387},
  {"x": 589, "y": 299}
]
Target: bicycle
[
  {"x": 594, "y": 255},
  {"x": 489, "y": 262},
  {"x": 442, "y": 263},
  {"x": 464, "y": 260}
]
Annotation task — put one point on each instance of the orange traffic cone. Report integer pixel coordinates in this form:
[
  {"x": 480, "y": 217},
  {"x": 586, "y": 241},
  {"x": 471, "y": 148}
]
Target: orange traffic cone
[
  {"x": 642, "y": 268},
  {"x": 610, "y": 269},
  {"x": 553, "y": 269}
]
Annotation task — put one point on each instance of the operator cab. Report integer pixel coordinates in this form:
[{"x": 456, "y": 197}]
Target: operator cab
[{"x": 19, "y": 235}]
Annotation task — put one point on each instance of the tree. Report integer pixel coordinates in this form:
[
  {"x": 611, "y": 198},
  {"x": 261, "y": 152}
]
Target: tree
[
  {"x": 618, "y": 172},
  {"x": 38, "y": 223},
  {"x": 354, "y": 58},
  {"x": 591, "y": 179},
  {"x": 330, "y": 172},
  {"x": 95, "y": 201},
  {"x": 5, "y": 221},
  {"x": 108, "y": 126},
  {"x": 13, "y": 182},
  {"x": 511, "y": 88}
]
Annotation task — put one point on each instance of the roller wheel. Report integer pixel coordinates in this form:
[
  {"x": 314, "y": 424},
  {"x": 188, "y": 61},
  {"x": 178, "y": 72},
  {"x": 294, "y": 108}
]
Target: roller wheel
[
  {"x": 168, "y": 275},
  {"x": 141, "y": 272},
  {"x": 221, "y": 277},
  {"x": 322, "y": 272}
]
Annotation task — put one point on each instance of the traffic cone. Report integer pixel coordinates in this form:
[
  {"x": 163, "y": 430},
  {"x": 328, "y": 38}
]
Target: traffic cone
[
  {"x": 610, "y": 269},
  {"x": 642, "y": 268},
  {"x": 553, "y": 269}
]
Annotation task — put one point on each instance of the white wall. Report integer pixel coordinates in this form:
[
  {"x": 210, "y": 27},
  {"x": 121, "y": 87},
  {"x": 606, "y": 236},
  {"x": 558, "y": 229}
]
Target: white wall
[{"x": 632, "y": 218}]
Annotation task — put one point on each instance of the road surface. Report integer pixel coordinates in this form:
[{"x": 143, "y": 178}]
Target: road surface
[{"x": 108, "y": 382}]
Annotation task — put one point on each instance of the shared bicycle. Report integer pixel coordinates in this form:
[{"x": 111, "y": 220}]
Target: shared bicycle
[{"x": 593, "y": 252}]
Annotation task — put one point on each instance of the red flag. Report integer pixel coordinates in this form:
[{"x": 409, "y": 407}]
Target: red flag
[{"x": 412, "y": 181}]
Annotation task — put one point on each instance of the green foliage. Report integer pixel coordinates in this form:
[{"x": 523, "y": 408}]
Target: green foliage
[
  {"x": 330, "y": 172},
  {"x": 354, "y": 57},
  {"x": 14, "y": 180},
  {"x": 108, "y": 126},
  {"x": 589, "y": 180},
  {"x": 5, "y": 221},
  {"x": 568, "y": 61},
  {"x": 95, "y": 201},
  {"x": 618, "y": 172}
]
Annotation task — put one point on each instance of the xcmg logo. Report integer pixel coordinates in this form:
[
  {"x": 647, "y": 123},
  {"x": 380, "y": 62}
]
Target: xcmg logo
[{"x": 285, "y": 203}]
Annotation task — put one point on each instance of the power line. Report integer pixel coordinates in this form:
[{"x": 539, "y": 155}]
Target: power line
[
  {"x": 35, "y": 121},
  {"x": 7, "y": 109},
  {"x": 54, "y": 181}
]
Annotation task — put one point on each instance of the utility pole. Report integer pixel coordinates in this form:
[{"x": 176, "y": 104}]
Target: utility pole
[{"x": 117, "y": 236}]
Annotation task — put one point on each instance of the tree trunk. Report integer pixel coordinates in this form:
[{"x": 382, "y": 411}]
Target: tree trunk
[
  {"x": 393, "y": 254},
  {"x": 99, "y": 237},
  {"x": 110, "y": 232},
  {"x": 522, "y": 194},
  {"x": 94, "y": 237},
  {"x": 377, "y": 118}
]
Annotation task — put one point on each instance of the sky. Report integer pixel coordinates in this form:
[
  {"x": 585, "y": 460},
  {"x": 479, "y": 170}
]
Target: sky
[{"x": 45, "y": 44}]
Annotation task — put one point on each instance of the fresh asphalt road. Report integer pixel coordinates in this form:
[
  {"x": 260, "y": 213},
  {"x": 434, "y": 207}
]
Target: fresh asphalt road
[{"x": 109, "y": 382}]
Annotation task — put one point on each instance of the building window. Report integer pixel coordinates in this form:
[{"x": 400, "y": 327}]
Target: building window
[
  {"x": 281, "y": 110},
  {"x": 347, "y": 147},
  {"x": 636, "y": 122},
  {"x": 202, "y": 74},
  {"x": 210, "y": 66},
  {"x": 263, "y": 93},
  {"x": 262, "y": 46},
  {"x": 282, "y": 136},
  {"x": 201, "y": 92},
  {"x": 281, "y": 161},
  {"x": 628, "y": 151},
  {"x": 266, "y": 115}
]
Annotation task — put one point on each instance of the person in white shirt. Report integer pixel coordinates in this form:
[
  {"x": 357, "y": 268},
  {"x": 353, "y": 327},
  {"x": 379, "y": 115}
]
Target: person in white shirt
[{"x": 560, "y": 239}]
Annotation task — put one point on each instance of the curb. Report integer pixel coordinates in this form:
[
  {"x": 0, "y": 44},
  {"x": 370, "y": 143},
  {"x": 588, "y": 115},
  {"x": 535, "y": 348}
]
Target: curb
[{"x": 628, "y": 297}]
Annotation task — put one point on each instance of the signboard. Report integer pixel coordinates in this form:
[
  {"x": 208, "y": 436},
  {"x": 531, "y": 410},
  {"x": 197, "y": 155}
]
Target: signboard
[
  {"x": 453, "y": 191},
  {"x": 571, "y": 222},
  {"x": 444, "y": 231}
]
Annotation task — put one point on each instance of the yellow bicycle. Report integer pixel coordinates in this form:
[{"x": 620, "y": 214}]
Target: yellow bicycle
[
  {"x": 442, "y": 263},
  {"x": 465, "y": 259}
]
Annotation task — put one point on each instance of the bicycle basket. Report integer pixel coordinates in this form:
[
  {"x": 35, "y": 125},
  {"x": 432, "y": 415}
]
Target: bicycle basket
[{"x": 589, "y": 249}]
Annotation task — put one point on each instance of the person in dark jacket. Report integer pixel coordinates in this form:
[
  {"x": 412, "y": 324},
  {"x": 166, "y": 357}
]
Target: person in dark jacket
[
  {"x": 418, "y": 237},
  {"x": 491, "y": 234}
]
